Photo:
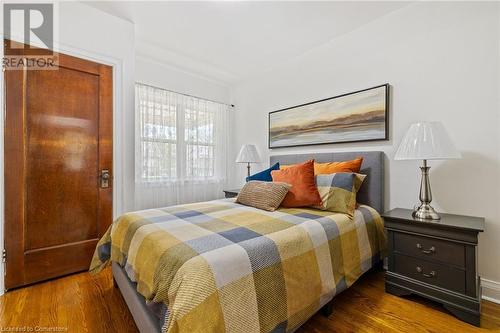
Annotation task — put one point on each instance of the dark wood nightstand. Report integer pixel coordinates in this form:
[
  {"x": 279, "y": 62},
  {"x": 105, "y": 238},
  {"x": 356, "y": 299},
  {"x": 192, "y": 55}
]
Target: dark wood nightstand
[
  {"x": 231, "y": 193},
  {"x": 436, "y": 260}
]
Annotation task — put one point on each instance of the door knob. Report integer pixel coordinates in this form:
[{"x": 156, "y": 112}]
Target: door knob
[{"x": 105, "y": 178}]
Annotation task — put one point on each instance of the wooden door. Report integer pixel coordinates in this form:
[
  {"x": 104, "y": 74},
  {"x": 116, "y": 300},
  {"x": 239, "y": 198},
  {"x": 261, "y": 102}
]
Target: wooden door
[{"x": 58, "y": 140}]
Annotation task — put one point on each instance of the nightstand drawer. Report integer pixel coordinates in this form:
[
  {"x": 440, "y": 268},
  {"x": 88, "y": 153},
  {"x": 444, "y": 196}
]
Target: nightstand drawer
[
  {"x": 429, "y": 272},
  {"x": 430, "y": 248}
]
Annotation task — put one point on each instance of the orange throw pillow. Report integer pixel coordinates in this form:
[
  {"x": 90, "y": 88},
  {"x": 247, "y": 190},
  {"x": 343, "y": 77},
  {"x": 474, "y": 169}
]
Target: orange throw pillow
[
  {"x": 336, "y": 167},
  {"x": 333, "y": 167},
  {"x": 304, "y": 191}
]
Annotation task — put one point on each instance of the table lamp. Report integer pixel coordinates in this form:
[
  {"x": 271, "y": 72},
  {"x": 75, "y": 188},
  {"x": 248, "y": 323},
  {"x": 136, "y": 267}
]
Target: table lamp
[
  {"x": 426, "y": 141},
  {"x": 248, "y": 154}
]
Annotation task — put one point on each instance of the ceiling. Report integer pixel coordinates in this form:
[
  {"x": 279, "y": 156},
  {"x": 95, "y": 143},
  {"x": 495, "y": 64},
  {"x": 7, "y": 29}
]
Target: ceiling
[{"x": 230, "y": 41}]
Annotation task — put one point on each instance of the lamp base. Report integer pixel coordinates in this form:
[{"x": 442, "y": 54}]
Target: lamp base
[{"x": 426, "y": 212}]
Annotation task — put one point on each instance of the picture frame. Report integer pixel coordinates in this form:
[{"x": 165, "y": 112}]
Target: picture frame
[{"x": 358, "y": 116}]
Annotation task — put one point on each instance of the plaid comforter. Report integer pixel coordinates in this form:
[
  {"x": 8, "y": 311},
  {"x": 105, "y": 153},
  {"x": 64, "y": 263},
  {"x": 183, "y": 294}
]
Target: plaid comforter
[{"x": 220, "y": 266}]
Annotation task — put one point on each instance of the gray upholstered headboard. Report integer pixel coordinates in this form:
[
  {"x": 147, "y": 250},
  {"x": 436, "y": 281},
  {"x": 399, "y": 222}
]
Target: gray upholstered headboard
[{"x": 371, "y": 192}]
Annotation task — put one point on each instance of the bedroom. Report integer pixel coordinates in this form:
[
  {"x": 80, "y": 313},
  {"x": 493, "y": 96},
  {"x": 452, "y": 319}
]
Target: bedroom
[{"x": 173, "y": 103}]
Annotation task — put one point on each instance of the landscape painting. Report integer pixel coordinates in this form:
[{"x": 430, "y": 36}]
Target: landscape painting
[{"x": 357, "y": 116}]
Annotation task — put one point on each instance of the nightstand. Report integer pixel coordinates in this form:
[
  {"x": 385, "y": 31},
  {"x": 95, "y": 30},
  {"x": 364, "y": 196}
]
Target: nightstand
[
  {"x": 436, "y": 260},
  {"x": 231, "y": 193}
]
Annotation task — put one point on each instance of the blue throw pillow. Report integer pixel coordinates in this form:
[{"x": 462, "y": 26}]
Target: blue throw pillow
[{"x": 264, "y": 175}]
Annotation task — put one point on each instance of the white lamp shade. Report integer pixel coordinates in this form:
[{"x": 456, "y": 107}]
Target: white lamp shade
[
  {"x": 426, "y": 141},
  {"x": 248, "y": 154}
]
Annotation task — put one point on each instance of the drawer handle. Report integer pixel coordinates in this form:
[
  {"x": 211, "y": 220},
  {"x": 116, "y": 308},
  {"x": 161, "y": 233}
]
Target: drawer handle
[
  {"x": 430, "y": 275},
  {"x": 431, "y": 250}
]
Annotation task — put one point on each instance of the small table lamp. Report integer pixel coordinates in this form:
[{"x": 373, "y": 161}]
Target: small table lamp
[
  {"x": 426, "y": 141},
  {"x": 248, "y": 154}
]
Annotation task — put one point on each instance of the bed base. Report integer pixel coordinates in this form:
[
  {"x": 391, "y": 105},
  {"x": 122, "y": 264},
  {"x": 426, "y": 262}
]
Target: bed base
[{"x": 146, "y": 322}]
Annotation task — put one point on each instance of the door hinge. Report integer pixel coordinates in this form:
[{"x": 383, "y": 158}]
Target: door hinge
[{"x": 4, "y": 261}]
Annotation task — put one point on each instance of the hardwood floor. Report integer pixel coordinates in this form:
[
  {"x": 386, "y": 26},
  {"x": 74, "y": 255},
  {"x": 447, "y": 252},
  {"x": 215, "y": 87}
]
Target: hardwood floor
[
  {"x": 85, "y": 303},
  {"x": 79, "y": 302}
]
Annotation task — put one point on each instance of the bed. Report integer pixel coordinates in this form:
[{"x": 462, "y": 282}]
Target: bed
[{"x": 221, "y": 266}]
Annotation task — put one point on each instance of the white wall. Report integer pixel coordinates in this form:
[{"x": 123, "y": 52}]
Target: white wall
[
  {"x": 442, "y": 60},
  {"x": 89, "y": 33},
  {"x": 153, "y": 72}
]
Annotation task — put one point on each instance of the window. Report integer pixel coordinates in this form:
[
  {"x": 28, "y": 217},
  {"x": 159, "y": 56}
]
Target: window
[{"x": 180, "y": 138}]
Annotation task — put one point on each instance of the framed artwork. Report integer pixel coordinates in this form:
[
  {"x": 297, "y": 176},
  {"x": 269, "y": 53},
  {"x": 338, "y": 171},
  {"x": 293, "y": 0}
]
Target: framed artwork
[{"x": 358, "y": 116}]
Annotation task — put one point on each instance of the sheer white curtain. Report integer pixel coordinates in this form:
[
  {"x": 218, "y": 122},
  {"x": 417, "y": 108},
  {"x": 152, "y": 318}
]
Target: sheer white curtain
[{"x": 181, "y": 148}]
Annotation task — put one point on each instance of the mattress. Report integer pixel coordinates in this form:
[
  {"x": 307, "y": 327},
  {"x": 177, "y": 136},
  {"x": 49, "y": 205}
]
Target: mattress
[{"x": 220, "y": 266}]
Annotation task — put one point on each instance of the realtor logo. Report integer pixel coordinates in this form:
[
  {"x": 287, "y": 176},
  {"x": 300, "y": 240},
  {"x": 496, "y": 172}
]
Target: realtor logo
[
  {"x": 29, "y": 32},
  {"x": 33, "y": 22}
]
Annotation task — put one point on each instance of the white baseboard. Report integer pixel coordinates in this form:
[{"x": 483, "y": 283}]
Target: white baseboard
[{"x": 491, "y": 290}]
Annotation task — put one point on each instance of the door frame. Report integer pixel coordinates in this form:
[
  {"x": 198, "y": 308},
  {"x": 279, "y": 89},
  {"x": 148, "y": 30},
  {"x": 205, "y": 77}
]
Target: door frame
[{"x": 118, "y": 135}]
